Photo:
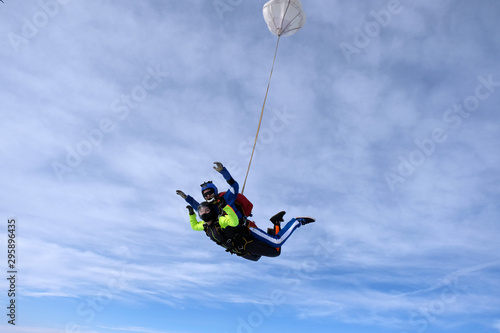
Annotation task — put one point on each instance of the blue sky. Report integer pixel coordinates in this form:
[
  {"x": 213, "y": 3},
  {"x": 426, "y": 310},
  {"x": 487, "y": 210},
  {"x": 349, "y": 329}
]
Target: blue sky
[{"x": 381, "y": 122}]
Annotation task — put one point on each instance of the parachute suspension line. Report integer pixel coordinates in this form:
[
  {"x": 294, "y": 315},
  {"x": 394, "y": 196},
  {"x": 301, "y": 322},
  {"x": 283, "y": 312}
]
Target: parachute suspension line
[
  {"x": 261, "y": 114},
  {"x": 283, "y": 19}
]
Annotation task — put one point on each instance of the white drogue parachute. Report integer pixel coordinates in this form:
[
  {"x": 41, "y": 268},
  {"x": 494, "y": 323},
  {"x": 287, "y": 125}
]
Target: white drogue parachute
[{"x": 284, "y": 17}]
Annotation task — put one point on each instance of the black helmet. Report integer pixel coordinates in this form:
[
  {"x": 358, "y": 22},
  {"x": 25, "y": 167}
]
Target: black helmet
[{"x": 211, "y": 215}]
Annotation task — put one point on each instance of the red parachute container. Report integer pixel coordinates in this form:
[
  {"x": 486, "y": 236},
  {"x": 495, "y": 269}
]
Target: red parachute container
[{"x": 242, "y": 204}]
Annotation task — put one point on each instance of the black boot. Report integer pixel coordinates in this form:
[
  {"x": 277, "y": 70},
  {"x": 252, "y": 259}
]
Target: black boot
[
  {"x": 305, "y": 219},
  {"x": 277, "y": 218}
]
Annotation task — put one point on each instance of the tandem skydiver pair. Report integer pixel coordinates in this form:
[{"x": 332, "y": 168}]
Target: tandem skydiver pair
[{"x": 225, "y": 220}]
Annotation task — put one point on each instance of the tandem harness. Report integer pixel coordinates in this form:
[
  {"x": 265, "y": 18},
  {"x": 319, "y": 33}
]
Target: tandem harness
[{"x": 233, "y": 239}]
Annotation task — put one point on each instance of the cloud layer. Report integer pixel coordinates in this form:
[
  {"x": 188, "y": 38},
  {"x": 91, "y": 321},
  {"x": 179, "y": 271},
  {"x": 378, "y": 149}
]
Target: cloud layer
[{"x": 108, "y": 108}]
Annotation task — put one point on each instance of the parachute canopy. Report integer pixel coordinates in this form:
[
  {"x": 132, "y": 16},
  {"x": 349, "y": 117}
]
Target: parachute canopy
[{"x": 284, "y": 17}]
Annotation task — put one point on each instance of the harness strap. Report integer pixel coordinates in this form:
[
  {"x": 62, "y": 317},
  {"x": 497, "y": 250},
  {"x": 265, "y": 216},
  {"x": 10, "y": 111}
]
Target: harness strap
[{"x": 239, "y": 248}]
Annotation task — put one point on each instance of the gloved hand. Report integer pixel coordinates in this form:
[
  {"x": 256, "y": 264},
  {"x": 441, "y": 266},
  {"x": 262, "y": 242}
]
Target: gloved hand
[
  {"x": 182, "y": 194},
  {"x": 222, "y": 202},
  {"x": 190, "y": 209},
  {"x": 218, "y": 166}
]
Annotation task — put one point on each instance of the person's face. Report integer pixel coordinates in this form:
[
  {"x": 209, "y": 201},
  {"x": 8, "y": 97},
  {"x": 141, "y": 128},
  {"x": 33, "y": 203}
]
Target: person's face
[
  {"x": 204, "y": 210},
  {"x": 208, "y": 194}
]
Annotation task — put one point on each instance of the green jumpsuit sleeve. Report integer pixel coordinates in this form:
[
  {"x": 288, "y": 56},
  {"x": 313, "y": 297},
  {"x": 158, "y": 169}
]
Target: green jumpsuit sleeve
[
  {"x": 231, "y": 219},
  {"x": 195, "y": 224}
]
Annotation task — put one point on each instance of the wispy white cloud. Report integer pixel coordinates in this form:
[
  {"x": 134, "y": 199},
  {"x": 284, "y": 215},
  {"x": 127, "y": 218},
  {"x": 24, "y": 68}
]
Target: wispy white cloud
[
  {"x": 496, "y": 325},
  {"x": 137, "y": 329},
  {"x": 114, "y": 217},
  {"x": 34, "y": 329}
]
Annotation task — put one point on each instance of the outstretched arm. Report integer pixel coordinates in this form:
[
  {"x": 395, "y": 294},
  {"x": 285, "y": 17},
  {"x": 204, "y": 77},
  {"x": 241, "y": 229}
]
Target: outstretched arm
[
  {"x": 195, "y": 224},
  {"x": 189, "y": 199},
  {"x": 234, "y": 187}
]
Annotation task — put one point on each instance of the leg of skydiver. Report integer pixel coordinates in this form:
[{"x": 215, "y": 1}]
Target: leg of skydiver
[
  {"x": 251, "y": 257},
  {"x": 259, "y": 248},
  {"x": 252, "y": 249},
  {"x": 279, "y": 239}
]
